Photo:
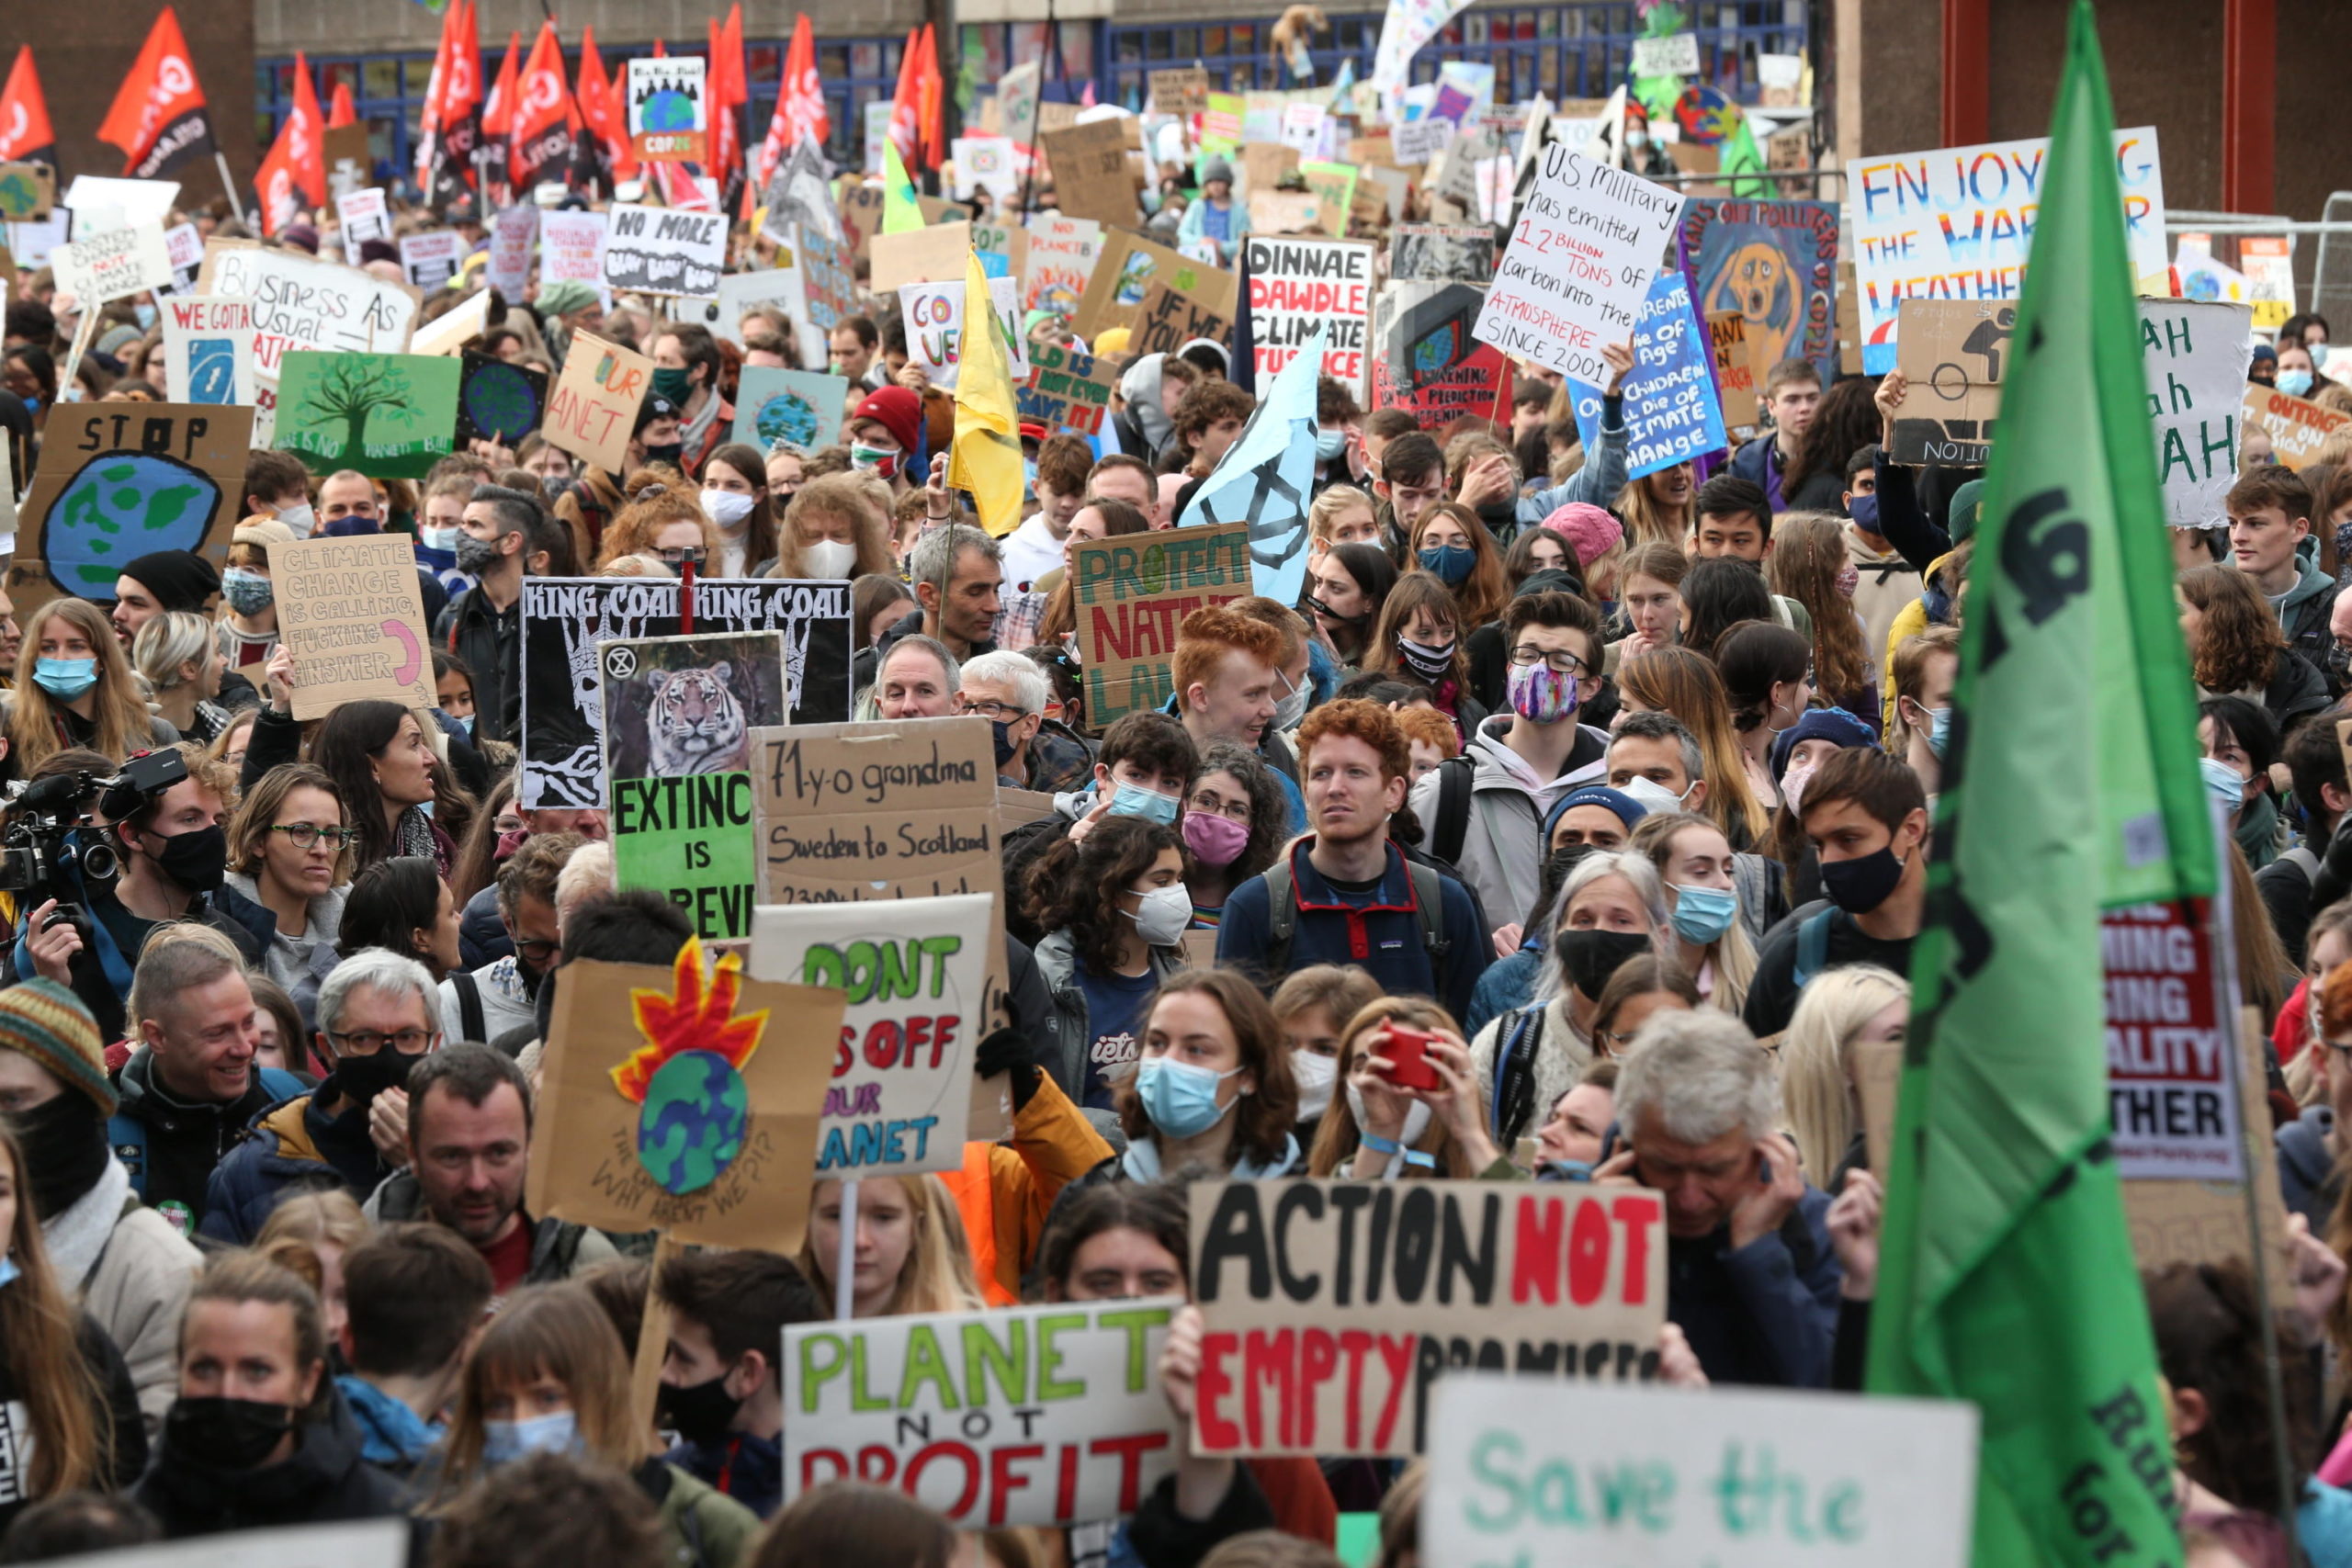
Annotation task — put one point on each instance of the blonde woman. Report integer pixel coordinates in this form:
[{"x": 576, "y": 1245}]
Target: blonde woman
[
  {"x": 178, "y": 656},
  {"x": 1657, "y": 507},
  {"x": 1678, "y": 682},
  {"x": 909, "y": 1255},
  {"x": 76, "y": 688},
  {"x": 1374, "y": 1130},
  {"x": 1841, "y": 1011},
  {"x": 1695, "y": 862},
  {"x": 832, "y": 530}
]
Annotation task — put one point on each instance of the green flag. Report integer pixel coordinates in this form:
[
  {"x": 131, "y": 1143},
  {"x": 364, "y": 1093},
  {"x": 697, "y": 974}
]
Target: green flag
[
  {"x": 2006, "y": 1272},
  {"x": 900, "y": 213},
  {"x": 1742, "y": 156}
]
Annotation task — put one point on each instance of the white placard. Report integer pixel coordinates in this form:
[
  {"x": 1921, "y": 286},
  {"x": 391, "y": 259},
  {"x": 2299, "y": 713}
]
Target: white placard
[
  {"x": 449, "y": 332},
  {"x": 1046, "y": 1416},
  {"x": 208, "y": 349},
  {"x": 1530, "y": 1472},
  {"x": 781, "y": 287},
  {"x": 985, "y": 162},
  {"x": 1677, "y": 54},
  {"x": 934, "y": 314},
  {"x": 571, "y": 249},
  {"x": 431, "y": 260},
  {"x": 659, "y": 250},
  {"x": 2196, "y": 357},
  {"x": 301, "y": 302},
  {"x": 139, "y": 201},
  {"x": 1578, "y": 265},
  {"x": 183, "y": 248},
  {"x": 364, "y": 215},
  {"x": 109, "y": 266},
  {"x": 511, "y": 239},
  {"x": 369, "y": 1543},
  {"x": 1418, "y": 141}
]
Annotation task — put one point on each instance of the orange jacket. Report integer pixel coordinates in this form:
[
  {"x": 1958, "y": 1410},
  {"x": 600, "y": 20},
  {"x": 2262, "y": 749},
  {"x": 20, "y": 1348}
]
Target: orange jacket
[{"x": 1005, "y": 1190}]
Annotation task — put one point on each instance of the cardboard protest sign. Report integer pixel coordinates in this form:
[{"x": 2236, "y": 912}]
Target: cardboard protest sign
[
  {"x": 659, "y": 250},
  {"x": 1735, "y": 376},
  {"x": 1333, "y": 185},
  {"x": 2196, "y": 357},
  {"x": 109, "y": 266},
  {"x": 1299, "y": 289},
  {"x": 779, "y": 289},
  {"x": 1066, "y": 389},
  {"x": 933, "y": 316},
  {"x": 120, "y": 480},
  {"x": 669, "y": 109},
  {"x": 682, "y": 1104},
  {"x": 797, "y": 196},
  {"x": 1133, "y": 592},
  {"x": 512, "y": 238},
  {"x": 1427, "y": 363},
  {"x": 2297, "y": 427},
  {"x": 1674, "y": 54},
  {"x": 27, "y": 192},
  {"x": 302, "y": 304},
  {"x": 1671, "y": 415},
  {"x": 1952, "y": 356},
  {"x": 1294, "y": 212},
  {"x": 1263, "y": 164},
  {"x": 1062, "y": 254},
  {"x": 592, "y": 412},
  {"x": 1529, "y": 1471},
  {"x": 1561, "y": 1280},
  {"x": 387, "y": 415},
  {"x": 364, "y": 215},
  {"x": 861, "y": 210},
  {"x": 208, "y": 349},
  {"x": 368, "y": 1543},
  {"x": 1044, "y": 1415},
  {"x": 1961, "y": 219},
  {"x": 1125, "y": 273},
  {"x": 799, "y": 407},
  {"x": 498, "y": 401},
  {"x": 932, "y": 254},
  {"x": 678, "y": 719},
  {"x": 1776, "y": 264},
  {"x": 828, "y": 290},
  {"x": 1016, "y": 96},
  {"x": 350, "y": 613},
  {"x": 1419, "y": 141},
  {"x": 572, "y": 249},
  {"x": 1438, "y": 253},
  {"x": 2186, "y": 1221},
  {"x": 2170, "y": 1058},
  {"x": 564, "y": 618},
  {"x": 915, "y": 974},
  {"x": 1092, "y": 175},
  {"x": 1003, "y": 250},
  {"x": 1182, "y": 90},
  {"x": 1171, "y": 318},
  {"x": 1578, "y": 265},
  {"x": 430, "y": 260}
]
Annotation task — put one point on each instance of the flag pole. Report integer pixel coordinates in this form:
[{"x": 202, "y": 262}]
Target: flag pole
[{"x": 229, "y": 188}]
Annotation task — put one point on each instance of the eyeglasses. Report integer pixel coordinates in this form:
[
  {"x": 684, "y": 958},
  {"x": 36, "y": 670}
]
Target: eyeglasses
[
  {"x": 1562, "y": 661},
  {"x": 368, "y": 1041},
  {"x": 305, "y": 834},
  {"x": 677, "y": 556},
  {"x": 536, "y": 954},
  {"x": 990, "y": 708}
]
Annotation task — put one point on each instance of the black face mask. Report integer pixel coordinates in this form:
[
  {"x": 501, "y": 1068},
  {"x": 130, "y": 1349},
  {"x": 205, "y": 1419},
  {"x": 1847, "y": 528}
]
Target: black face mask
[
  {"x": 700, "y": 1413},
  {"x": 196, "y": 861},
  {"x": 1005, "y": 745},
  {"x": 360, "y": 1079},
  {"x": 64, "y": 1141},
  {"x": 667, "y": 454},
  {"x": 1862, "y": 883},
  {"x": 1591, "y": 956},
  {"x": 226, "y": 1434}
]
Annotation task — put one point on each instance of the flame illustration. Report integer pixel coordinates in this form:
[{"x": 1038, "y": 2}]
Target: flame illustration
[{"x": 690, "y": 1019}]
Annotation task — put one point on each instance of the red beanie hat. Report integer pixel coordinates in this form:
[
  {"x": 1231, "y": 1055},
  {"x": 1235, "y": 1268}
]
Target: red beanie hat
[{"x": 898, "y": 410}]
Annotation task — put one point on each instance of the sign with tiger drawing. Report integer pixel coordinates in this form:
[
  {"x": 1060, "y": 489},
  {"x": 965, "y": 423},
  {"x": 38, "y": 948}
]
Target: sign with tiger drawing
[
  {"x": 677, "y": 763},
  {"x": 567, "y": 620}
]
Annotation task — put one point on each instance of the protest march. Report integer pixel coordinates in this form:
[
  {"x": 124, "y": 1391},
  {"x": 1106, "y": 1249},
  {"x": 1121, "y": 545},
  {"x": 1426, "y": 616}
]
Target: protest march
[{"x": 1384, "y": 822}]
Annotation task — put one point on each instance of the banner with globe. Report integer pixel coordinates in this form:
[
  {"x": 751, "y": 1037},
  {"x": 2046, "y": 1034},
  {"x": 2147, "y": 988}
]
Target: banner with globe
[
  {"x": 684, "y": 1103},
  {"x": 112, "y": 489},
  {"x": 774, "y": 407}
]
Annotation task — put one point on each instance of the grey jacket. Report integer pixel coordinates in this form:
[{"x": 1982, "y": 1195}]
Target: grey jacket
[
  {"x": 299, "y": 964},
  {"x": 1068, "y": 1029},
  {"x": 558, "y": 1248},
  {"x": 1502, "y": 847}
]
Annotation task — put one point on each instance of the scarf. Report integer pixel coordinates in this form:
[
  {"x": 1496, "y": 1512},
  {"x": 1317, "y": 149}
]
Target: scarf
[
  {"x": 76, "y": 1235},
  {"x": 416, "y": 835},
  {"x": 1141, "y": 1162}
]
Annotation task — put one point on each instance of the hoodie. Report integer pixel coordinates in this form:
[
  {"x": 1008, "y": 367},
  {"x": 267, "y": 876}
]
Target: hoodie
[
  {"x": 1885, "y": 585},
  {"x": 2305, "y": 608},
  {"x": 2308, "y": 1178},
  {"x": 1502, "y": 847}
]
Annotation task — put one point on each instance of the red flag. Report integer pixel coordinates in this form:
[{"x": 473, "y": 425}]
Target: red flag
[
  {"x": 602, "y": 112},
  {"x": 463, "y": 96},
  {"x": 799, "y": 105},
  {"x": 341, "y": 112},
  {"x": 498, "y": 112},
  {"x": 906, "y": 103},
  {"x": 931, "y": 95},
  {"x": 731, "y": 89},
  {"x": 295, "y": 170},
  {"x": 24, "y": 135},
  {"x": 539, "y": 145},
  {"x": 159, "y": 119}
]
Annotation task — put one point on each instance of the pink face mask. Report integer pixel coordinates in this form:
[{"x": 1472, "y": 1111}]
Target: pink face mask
[
  {"x": 1215, "y": 838},
  {"x": 1849, "y": 577}
]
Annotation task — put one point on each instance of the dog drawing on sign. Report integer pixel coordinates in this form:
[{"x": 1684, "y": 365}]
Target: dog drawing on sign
[{"x": 693, "y": 725}]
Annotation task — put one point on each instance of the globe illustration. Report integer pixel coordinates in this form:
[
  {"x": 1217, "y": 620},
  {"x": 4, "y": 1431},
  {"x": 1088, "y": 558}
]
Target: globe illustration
[
  {"x": 500, "y": 401},
  {"x": 788, "y": 417},
  {"x": 692, "y": 1126},
  {"x": 668, "y": 110},
  {"x": 121, "y": 506}
]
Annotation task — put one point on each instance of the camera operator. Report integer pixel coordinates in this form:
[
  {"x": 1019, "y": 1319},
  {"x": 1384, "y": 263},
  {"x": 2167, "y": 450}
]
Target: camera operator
[{"x": 165, "y": 815}]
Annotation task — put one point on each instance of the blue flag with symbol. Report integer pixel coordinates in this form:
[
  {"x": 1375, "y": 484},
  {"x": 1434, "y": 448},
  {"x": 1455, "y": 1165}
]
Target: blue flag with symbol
[{"x": 1268, "y": 478}]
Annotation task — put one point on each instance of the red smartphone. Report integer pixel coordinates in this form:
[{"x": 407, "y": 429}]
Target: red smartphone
[{"x": 1405, "y": 1051}]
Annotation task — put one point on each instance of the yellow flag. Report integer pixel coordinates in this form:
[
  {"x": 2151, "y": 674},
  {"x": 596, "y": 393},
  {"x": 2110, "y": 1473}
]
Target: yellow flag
[
  {"x": 986, "y": 456},
  {"x": 900, "y": 212}
]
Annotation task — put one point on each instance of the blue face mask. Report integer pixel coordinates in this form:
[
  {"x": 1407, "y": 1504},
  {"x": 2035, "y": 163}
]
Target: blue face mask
[
  {"x": 2295, "y": 383},
  {"x": 1029, "y": 475},
  {"x": 9, "y": 1272},
  {"x": 65, "y": 678},
  {"x": 1329, "y": 445},
  {"x": 1863, "y": 510},
  {"x": 1181, "y": 1098},
  {"x": 1701, "y": 915},
  {"x": 1938, "y": 730},
  {"x": 505, "y": 1441},
  {"x": 1134, "y": 800},
  {"x": 146, "y": 314},
  {"x": 2224, "y": 783},
  {"x": 1450, "y": 564}
]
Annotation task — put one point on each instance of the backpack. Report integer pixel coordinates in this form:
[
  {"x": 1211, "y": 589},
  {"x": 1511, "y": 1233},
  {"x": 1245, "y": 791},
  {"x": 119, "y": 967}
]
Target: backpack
[
  {"x": 469, "y": 1014},
  {"x": 1454, "y": 777},
  {"x": 1813, "y": 947},
  {"x": 1428, "y": 915}
]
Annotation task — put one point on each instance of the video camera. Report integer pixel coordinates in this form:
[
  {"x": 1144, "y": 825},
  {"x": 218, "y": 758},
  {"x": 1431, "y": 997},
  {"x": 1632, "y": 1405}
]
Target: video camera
[{"x": 35, "y": 850}]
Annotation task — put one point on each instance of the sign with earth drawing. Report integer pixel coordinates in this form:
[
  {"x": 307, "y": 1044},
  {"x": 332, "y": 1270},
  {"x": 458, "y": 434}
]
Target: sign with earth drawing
[
  {"x": 387, "y": 415},
  {"x": 119, "y": 480},
  {"x": 668, "y": 110},
  {"x": 798, "y": 408},
  {"x": 498, "y": 401},
  {"x": 683, "y": 1102}
]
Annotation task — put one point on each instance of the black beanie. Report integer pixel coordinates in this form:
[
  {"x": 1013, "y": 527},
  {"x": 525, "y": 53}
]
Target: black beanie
[{"x": 180, "y": 579}]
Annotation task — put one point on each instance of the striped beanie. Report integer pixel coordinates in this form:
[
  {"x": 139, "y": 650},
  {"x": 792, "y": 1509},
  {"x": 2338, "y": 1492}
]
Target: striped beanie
[{"x": 48, "y": 1022}]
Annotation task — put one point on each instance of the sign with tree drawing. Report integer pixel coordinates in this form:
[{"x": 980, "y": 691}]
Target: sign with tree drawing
[{"x": 387, "y": 415}]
